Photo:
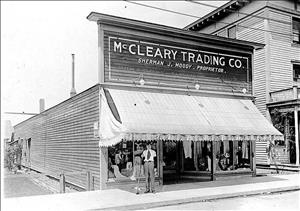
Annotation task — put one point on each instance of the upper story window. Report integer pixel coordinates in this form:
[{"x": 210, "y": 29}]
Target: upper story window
[
  {"x": 231, "y": 32},
  {"x": 296, "y": 69},
  {"x": 296, "y": 30},
  {"x": 297, "y": 5}
]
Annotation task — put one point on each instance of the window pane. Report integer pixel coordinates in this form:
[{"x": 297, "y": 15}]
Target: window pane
[
  {"x": 227, "y": 160},
  {"x": 125, "y": 161},
  {"x": 296, "y": 71},
  {"x": 296, "y": 30},
  {"x": 296, "y": 24}
]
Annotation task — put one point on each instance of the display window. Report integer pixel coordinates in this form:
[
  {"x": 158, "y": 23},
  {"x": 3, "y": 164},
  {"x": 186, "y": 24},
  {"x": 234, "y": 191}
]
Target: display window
[
  {"x": 197, "y": 156},
  {"x": 125, "y": 160},
  {"x": 232, "y": 155}
]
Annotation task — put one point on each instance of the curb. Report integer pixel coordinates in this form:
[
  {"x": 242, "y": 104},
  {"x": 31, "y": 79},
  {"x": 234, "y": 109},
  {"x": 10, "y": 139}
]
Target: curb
[{"x": 149, "y": 205}]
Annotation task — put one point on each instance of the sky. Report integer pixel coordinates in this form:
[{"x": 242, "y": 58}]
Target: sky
[{"x": 38, "y": 38}]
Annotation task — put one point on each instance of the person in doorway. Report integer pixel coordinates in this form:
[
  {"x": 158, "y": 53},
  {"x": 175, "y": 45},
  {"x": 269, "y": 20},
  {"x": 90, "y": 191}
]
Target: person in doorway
[
  {"x": 239, "y": 155},
  {"x": 148, "y": 156},
  {"x": 119, "y": 159}
]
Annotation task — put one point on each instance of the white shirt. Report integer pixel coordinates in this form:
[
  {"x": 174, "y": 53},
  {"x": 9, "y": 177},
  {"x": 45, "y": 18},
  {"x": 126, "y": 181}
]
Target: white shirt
[{"x": 152, "y": 155}]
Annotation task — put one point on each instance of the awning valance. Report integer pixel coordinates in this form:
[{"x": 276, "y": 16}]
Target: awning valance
[{"x": 141, "y": 115}]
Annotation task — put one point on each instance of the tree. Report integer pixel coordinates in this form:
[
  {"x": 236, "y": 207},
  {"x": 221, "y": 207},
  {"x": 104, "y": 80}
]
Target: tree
[{"x": 13, "y": 156}]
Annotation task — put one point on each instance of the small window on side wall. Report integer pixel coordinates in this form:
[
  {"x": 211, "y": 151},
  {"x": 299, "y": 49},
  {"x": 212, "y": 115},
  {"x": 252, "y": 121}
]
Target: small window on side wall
[
  {"x": 231, "y": 32},
  {"x": 296, "y": 70},
  {"x": 296, "y": 30}
]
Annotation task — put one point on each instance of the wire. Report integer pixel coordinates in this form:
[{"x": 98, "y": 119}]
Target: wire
[
  {"x": 243, "y": 13},
  {"x": 145, "y": 5},
  {"x": 184, "y": 14}
]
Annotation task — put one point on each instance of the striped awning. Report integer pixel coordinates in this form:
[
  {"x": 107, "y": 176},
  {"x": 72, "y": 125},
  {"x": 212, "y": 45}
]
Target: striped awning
[{"x": 141, "y": 115}]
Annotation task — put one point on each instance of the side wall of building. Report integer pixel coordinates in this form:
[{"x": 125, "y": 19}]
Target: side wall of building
[
  {"x": 282, "y": 51},
  {"x": 62, "y": 138}
]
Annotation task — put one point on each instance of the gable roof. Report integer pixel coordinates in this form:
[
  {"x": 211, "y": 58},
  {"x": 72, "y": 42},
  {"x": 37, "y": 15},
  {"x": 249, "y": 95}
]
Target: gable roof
[{"x": 217, "y": 14}]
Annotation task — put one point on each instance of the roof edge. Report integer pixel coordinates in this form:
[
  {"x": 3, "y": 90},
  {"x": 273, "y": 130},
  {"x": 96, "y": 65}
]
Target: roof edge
[
  {"x": 101, "y": 18},
  {"x": 214, "y": 12}
]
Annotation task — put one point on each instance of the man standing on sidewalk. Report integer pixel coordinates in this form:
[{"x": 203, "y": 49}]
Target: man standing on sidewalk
[{"x": 149, "y": 155}]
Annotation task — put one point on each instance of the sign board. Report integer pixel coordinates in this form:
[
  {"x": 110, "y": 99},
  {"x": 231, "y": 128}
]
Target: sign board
[{"x": 174, "y": 64}]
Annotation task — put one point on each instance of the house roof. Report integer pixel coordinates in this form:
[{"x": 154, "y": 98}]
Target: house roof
[{"x": 217, "y": 14}]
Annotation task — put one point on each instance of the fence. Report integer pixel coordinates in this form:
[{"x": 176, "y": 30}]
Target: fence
[{"x": 90, "y": 180}]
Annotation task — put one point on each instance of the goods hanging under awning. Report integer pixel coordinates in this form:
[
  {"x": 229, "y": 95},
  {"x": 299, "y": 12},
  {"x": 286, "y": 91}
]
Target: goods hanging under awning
[{"x": 141, "y": 115}]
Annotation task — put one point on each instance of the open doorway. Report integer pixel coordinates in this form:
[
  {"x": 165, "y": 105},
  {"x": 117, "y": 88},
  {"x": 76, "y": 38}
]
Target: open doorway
[
  {"x": 28, "y": 154},
  {"x": 186, "y": 162}
]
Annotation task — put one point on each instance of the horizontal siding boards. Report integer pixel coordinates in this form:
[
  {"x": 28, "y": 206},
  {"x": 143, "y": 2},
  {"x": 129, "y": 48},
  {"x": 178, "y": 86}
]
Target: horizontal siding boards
[
  {"x": 259, "y": 80},
  {"x": 284, "y": 29},
  {"x": 282, "y": 70},
  {"x": 252, "y": 35},
  {"x": 252, "y": 20},
  {"x": 168, "y": 81},
  {"x": 261, "y": 154},
  {"x": 126, "y": 69},
  {"x": 63, "y": 140},
  {"x": 33, "y": 129}
]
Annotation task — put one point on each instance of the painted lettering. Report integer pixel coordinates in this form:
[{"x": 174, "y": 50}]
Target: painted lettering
[
  {"x": 149, "y": 51},
  {"x": 167, "y": 53},
  {"x": 158, "y": 53},
  {"x": 130, "y": 49},
  {"x": 191, "y": 57},
  {"x": 139, "y": 51},
  {"x": 184, "y": 53},
  {"x": 117, "y": 47}
]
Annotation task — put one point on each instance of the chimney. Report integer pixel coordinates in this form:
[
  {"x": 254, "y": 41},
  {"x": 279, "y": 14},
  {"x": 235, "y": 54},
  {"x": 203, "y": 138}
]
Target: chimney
[
  {"x": 73, "y": 91},
  {"x": 42, "y": 105}
]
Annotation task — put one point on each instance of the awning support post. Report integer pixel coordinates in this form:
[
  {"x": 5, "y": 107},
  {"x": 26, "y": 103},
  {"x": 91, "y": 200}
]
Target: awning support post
[
  {"x": 252, "y": 157},
  {"x": 296, "y": 135},
  {"x": 160, "y": 161},
  {"x": 235, "y": 147},
  {"x": 213, "y": 160}
]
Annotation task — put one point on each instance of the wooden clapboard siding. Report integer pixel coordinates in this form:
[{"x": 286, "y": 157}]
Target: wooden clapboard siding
[
  {"x": 284, "y": 28},
  {"x": 280, "y": 63},
  {"x": 282, "y": 52},
  {"x": 62, "y": 138},
  {"x": 259, "y": 80},
  {"x": 259, "y": 69},
  {"x": 251, "y": 35},
  {"x": 261, "y": 154}
]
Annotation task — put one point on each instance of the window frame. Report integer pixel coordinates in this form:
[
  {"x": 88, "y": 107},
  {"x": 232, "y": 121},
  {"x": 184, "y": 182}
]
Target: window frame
[
  {"x": 297, "y": 32},
  {"x": 294, "y": 73}
]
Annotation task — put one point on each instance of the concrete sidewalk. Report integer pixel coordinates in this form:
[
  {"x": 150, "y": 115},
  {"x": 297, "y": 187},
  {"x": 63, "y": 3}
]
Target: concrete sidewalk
[{"x": 116, "y": 199}]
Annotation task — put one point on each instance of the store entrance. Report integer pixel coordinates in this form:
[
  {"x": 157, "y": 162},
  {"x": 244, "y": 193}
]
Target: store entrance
[
  {"x": 185, "y": 162},
  {"x": 170, "y": 162}
]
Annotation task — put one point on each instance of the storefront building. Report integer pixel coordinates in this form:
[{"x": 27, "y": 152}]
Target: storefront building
[{"x": 188, "y": 94}]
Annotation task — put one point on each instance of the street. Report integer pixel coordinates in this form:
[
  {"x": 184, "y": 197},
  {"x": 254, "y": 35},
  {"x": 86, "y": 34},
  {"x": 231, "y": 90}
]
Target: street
[
  {"x": 279, "y": 201},
  {"x": 18, "y": 185}
]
